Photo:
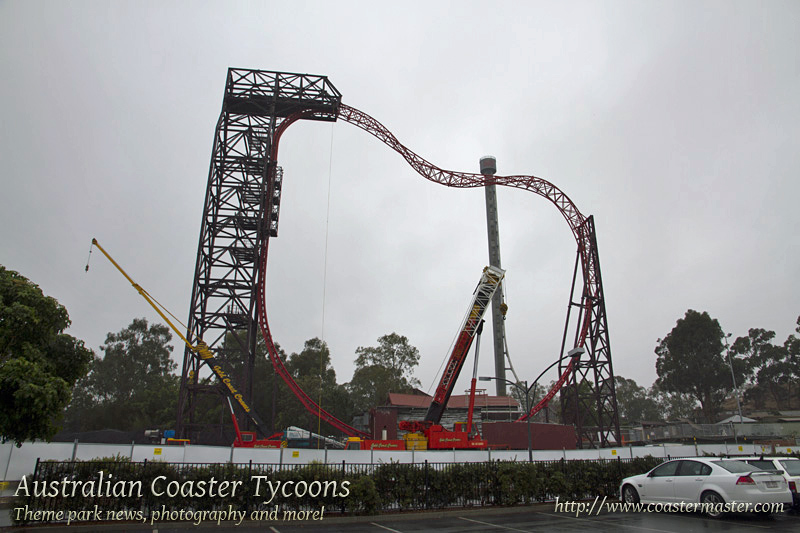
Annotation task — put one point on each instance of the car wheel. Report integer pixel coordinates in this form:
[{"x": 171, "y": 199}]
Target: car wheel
[
  {"x": 629, "y": 494},
  {"x": 712, "y": 504}
]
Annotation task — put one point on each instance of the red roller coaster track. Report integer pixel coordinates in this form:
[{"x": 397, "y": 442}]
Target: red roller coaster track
[{"x": 577, "y": 223}]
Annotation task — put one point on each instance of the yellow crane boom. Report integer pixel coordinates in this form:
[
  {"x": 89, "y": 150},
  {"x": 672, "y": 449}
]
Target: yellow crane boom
[{"x": 201, "y": 348}]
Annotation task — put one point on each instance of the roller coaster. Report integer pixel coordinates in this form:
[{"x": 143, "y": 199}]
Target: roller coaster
[{"x": 241, "y": 215}]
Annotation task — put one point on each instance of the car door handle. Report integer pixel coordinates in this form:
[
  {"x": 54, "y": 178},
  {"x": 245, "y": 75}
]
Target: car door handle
[
  {"x": 668, "y": 480},
  {"x": 699, "y": 479}
]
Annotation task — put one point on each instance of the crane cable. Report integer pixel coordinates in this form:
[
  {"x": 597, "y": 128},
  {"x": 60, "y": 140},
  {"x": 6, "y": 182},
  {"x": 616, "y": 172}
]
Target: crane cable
[
  {"x": 324, "y": 287},
  {"x": 138, "y": 287}
]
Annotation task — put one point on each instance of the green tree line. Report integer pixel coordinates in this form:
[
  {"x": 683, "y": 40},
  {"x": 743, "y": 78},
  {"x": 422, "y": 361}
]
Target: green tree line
[
  {"x": 699, "y": 369},
  {"x": 134, "y": 384},
  {"x": 50, "y": 380}
]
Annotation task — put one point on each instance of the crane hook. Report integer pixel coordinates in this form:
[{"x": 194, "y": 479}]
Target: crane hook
[{"x": 90, "y": 255}]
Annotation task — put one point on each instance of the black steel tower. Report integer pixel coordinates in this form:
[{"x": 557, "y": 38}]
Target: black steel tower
[{"x": 241, "y": 211}]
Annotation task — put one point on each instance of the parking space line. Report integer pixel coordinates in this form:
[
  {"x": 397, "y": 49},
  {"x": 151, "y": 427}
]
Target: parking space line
[
  {"x": 718, "y": 521},
  {"x": 615, "y": 520},
  {"x": 386, "y": 528},
  {"x": 273, "y": 530},
  {"x": 707, "y": 520},
  {"x": 493, "y": 525}
]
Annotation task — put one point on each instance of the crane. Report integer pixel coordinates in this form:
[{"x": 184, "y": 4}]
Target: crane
[
  {"x": 436, "y": 436},
  {"x": 201, "y": 348},
  {"x": 488, "y": 284}
]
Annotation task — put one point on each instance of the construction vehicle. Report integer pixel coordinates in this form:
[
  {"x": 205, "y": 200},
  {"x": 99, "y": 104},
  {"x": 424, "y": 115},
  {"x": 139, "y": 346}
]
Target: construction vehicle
[
  {"x": 246, "y": 439},
  {"x": 428, "y": 433},
  {"x": 357, "y": 443},
  {"x": 249, "y": 439}
]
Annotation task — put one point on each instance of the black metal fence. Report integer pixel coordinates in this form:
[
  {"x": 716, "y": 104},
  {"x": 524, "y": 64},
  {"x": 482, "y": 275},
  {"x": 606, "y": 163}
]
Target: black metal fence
[{"x": 112, "y": 488}]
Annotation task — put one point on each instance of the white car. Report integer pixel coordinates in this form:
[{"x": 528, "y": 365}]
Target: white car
[
  {"x": 720, "y": 484},
  {"x": 790, "y": 466}
]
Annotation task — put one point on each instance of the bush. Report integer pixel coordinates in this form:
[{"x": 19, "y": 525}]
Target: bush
[{"x": 372, "y": 488}]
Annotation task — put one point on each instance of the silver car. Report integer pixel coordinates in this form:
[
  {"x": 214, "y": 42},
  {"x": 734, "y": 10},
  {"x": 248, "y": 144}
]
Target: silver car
[{"x": 720, "y": 485}]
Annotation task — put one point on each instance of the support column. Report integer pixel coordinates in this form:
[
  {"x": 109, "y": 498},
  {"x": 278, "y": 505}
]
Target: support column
[{"x": 488, "y": 169}]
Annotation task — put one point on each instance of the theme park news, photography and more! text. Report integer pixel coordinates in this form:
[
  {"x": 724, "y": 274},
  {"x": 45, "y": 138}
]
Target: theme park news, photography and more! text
[{"x": 265, "y": 493}]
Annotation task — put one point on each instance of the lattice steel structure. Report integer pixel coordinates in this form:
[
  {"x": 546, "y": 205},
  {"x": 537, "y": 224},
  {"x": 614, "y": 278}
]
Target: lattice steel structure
[
  {"x": 241, "y": 211},
  {"x": 241, "y": 215},
  {"x": 597, "y": 422},
  {"x": 591, "y": 397}
]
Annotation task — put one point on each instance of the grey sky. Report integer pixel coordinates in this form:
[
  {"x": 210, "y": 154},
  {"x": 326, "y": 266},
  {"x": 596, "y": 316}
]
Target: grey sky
[{"x": 675, "y": 124}]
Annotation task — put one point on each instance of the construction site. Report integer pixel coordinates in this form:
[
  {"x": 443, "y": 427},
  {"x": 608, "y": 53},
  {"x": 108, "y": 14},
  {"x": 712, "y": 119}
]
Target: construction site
[{"x": 228, "y": 315}]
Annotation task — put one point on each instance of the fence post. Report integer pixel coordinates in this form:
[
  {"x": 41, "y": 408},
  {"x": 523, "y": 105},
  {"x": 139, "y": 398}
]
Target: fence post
[
  {"x": 133, "y": 443},
  {"x": 343, "y": 475},
  {"x": 249, "y": 479},
  {"x": 74, "y": 449},
  {"x": 8, "y": 463},
  {"x": 426, "y": 483},
  {"x": 35, "y": 474}
]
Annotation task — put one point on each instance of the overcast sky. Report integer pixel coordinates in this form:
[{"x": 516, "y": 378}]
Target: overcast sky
[{"x": 676, "y": 124}]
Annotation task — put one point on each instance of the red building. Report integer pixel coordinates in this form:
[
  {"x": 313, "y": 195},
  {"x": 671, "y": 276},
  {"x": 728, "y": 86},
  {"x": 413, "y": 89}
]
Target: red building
[{"x": 493, "y": 416}]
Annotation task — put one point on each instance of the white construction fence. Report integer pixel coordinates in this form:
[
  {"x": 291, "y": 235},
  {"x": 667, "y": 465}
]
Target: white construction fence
[{"x": 16, "y": 462}]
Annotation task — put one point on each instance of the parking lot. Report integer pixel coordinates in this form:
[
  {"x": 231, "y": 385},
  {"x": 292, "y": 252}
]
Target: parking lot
[
  {"x": 542, "y": 518},
  {"x": 523, "y": 519}
]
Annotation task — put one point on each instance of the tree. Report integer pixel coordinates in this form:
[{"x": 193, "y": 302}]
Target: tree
[
  {"x": 635, "y": 403},
  {"x": 133, "y": 386},
  {"x": 382, "y": 369},
  {"x": 691, "y": 361},
  {"x": 673, "y": 405},
  {"x": 792, "y": 346},
  {"x": 313, "y": 372},
  {"x": 39, "y": 363},
  {"x": 577, "y": 402},
  {"x": 551, "y": 412},
  {"x": 773, "y": 368}
]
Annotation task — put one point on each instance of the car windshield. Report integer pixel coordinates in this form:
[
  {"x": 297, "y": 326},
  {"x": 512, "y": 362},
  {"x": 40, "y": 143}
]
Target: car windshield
[
  {"x": 736, "y": 467},
  {"x": 791, "y": 467}
]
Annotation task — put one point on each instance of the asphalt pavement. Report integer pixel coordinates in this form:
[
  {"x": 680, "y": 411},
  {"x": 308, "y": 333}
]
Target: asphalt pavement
[{"x": 523, "y": 518}]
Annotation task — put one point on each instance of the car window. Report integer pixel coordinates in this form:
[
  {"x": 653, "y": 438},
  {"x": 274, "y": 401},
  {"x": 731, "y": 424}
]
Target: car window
[
  {"x": 735, "y": 467},
  {"x": 693, "y": 468},
  {"x": 761, "y": 463},
  {"x": 667, "y": 469},
  {"x": 791, "y": 467}
]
